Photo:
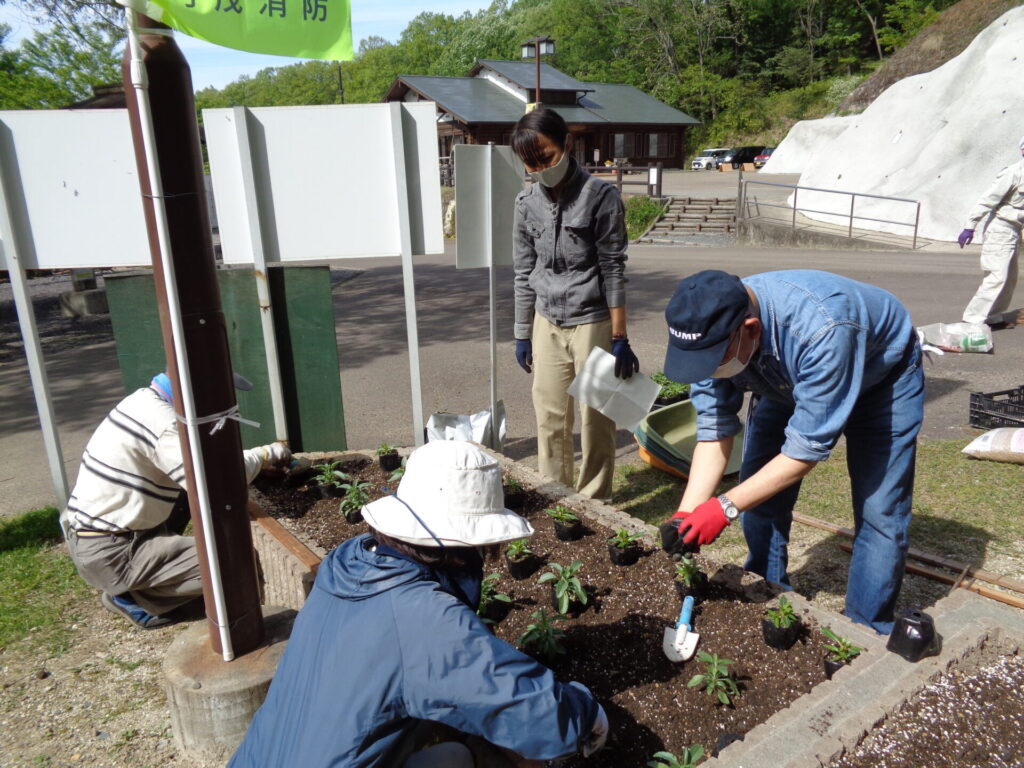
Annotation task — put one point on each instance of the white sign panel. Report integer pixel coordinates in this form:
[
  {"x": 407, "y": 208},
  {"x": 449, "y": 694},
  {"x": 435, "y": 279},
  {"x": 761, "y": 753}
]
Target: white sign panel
[
  {"x": 487, "y": 180},
  {"x": 328, "y": 180},
  {"x": 73, "y": 189}
]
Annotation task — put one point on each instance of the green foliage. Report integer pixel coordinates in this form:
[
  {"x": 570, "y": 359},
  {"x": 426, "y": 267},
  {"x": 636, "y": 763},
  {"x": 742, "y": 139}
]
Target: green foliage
[
  {"x": 688, "y": 572},
  {"x": 384, "y": 449},
  {"x": 357, "y": 495},
  {"x": 399, "y": 473},
  {"x": 518, "y": 549},
  {"x": 905, "y": 18},
  {"x": 688, "y": 759},
  {"x": 39, "y": 588},
  {"x": 716, "y": 678},
  {"x": 641, "y": 213},
  {"x": 840, "y": 648},
  {"x": 512, "y": 485},
  {"x": 329, "y": 474},
  {"x": 489, "y": 593},
  {"x": 669, "y": 388},
  {"x": 624, "y": 539},
  {"x": 543, "y": 636},
  {"x": 565, "y": 584},
  {"x": 562, "y": 514},
  {"x": 783, "y": 616}
]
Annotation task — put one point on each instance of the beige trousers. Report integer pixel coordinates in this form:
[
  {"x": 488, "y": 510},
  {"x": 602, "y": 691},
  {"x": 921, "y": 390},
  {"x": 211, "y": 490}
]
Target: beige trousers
[
  {"x": 558, "y": 353},
  {"x": 999, "y": 265}
]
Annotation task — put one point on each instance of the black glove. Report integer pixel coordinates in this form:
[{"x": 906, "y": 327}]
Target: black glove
[
  {"x": 672, "y": 541},
  {"x": 626, "y": 363},
  {"x": 524, "y": 354}
]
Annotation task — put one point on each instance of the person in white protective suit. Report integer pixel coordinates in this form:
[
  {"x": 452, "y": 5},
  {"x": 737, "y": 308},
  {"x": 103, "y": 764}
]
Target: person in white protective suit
[{"x": 1004, "y": 204}]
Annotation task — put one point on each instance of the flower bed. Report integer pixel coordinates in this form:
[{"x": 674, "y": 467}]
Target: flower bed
[{"x": 614, "y": 644}]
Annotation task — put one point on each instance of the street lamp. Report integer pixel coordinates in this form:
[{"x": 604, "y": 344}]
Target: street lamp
[{"x": 534, "y": 48}]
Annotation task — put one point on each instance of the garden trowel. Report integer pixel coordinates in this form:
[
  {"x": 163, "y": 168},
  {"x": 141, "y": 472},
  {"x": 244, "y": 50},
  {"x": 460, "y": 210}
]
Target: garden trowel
[{"x": 680, "y": 641}]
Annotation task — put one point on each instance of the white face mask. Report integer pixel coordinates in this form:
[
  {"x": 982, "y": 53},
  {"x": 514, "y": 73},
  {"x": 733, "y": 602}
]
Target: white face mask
[
  {"x": 733, "y": 366},
  {"x": 552, "y": 175}
]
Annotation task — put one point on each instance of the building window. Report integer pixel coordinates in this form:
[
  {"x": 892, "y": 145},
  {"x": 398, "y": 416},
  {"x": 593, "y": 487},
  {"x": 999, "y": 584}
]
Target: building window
[
  {"x": 659, "y": 145},
  {"x": 622, "y": 144}
]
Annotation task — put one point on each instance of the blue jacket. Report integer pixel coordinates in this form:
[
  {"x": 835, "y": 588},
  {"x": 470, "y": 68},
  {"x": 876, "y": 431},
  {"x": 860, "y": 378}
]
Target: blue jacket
[
  {"x": 826, "y": 342},
  {"x": 379, "y": 646}
]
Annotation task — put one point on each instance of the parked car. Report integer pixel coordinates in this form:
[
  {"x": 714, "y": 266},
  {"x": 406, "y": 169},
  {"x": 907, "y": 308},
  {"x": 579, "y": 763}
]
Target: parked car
[
  {"x": 709, "y": 159},
  {"x": 761, "y": 159},
  {"x": 740, "y": 155}
]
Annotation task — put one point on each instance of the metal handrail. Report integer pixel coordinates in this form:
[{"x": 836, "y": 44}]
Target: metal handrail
[{"x": 742, "y": 205}]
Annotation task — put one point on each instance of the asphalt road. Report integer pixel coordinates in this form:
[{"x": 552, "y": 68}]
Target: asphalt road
[{"x": 454, "y": 347}]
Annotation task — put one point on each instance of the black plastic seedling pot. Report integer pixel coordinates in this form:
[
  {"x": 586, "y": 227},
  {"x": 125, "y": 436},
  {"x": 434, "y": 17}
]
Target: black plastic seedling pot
[
  {"x": 515, "y": 500},
  {"x": 831, "y": 667},
  {"x": 354, "y": 517},
  {"x": 568, "y": 531},
  {"x": 522, "y": 568},
  {"x": 389, "y": 462},
  {"x": 330, "y": 491},
  {"x": 913, "y": 636},
  {"x": 496, "y": 611},
  {"x": 624, "y": 555},
  {"x": 781, "y": 638}
]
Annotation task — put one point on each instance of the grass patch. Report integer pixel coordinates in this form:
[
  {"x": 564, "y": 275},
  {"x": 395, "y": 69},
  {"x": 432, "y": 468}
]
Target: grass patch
[
  {"x": 641, "y": 212},
  {"x": 39, "y": 586},
  {"x": 963, "y": 508}
]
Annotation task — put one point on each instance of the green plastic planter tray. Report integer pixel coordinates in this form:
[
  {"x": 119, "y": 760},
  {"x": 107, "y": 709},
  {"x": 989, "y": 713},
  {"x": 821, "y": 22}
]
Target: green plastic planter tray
[{"x": 674, "y": 430}]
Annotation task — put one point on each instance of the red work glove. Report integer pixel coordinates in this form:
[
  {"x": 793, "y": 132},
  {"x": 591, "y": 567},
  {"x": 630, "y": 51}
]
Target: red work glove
[{"x": 704, "y": 524}]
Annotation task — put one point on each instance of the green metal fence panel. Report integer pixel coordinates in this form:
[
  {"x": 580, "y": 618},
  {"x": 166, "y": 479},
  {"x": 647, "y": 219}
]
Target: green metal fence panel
[{"x": 304, "y": 327}]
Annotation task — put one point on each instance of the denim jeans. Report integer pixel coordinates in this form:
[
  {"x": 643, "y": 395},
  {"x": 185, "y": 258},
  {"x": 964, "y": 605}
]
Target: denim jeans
[{"x": 881, "y": 442}]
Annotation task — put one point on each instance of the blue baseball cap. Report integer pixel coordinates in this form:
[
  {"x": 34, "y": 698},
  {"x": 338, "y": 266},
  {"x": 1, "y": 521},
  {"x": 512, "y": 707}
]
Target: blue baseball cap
[{"x": 702, "y": 315}]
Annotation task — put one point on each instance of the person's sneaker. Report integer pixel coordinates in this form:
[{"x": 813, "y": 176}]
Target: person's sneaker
[{"x": 131, "y": 610}]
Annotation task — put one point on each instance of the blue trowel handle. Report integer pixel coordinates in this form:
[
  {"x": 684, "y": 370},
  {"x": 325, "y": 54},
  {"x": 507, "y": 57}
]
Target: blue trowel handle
[{"x": 686, "y": 614}]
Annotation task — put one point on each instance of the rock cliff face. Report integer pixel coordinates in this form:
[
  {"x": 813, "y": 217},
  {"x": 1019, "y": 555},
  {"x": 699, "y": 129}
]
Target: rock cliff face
[{"x": 939, "y": 138}]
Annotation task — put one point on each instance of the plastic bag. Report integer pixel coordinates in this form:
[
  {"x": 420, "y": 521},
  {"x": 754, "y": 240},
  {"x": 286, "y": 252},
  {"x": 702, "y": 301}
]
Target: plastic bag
[
  {"x": 957, "y": 337},
  {"x": 475, "y": 427},
  {"x": 1003, "y": 444}
]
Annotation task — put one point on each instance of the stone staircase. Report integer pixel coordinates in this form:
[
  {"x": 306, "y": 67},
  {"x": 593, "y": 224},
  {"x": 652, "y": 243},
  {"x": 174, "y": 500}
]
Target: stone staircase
[{"x": 689, "y": 216}]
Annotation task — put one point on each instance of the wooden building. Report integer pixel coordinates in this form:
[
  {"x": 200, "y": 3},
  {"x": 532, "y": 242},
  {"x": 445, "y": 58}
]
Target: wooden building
[{"x": 609, "y": 121}]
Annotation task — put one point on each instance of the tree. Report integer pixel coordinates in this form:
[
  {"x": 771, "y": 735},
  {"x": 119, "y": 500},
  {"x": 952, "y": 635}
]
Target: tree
[{"x": 75, "y": 57}]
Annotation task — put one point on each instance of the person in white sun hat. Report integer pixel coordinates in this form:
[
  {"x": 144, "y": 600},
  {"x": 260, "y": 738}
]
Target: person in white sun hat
[{"x": 388, "y": 664}]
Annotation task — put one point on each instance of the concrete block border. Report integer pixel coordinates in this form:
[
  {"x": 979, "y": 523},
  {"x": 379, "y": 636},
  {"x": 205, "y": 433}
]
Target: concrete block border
[{"x": 816, "y": 728}]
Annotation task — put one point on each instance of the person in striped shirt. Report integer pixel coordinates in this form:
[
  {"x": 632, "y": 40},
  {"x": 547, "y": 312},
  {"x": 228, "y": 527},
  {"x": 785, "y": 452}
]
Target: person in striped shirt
[{"x": 124, "y": 520}]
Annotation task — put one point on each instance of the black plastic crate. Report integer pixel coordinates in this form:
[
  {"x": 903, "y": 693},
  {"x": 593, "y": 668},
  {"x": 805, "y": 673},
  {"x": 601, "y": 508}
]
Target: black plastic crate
[{"x": 997, "y": 409}]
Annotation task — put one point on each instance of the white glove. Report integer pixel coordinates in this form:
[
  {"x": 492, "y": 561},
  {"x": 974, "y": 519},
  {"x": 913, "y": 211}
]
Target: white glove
[
  {"x": 598, "y": 734},
  {"x": 274, "y": 455}
]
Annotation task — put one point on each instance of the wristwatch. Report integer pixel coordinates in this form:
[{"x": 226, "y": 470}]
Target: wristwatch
[{"x": 731, "y": 510}]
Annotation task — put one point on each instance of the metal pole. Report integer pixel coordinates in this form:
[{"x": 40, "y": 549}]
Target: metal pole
[
  {"x": 536, "y": 90},
  {"x": 408, "y": 282},
  {"x": 917, "y": 219},
  {"x": 492, "y": 294},
  {"x": 195, "y": 338},
  {"x": 657, "y": 192},
  {"x": 259, "y": 263},
  {"x": 795, "y": 191},
  {"x": 11, "y": 258},
  {"x": 849, "y": 231}
]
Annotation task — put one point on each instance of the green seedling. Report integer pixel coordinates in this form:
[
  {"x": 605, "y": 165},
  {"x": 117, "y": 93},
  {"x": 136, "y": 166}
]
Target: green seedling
[
  {"x": 542, "y": 635},
  {"x": 688, "y": 572},
  {"x": 489, "y": 593},
  {"x": 840, "y": 649},
  {"x": 384, "y": 449},
  {"x": 688, "y": 759},
  {"x": 623, "y": 539},
  {"x": 716, "y": 678},
  {"x": 329, "y": 474},
  {"x": 562, "y": 514},
  {"x": 512, "y": 485},
  {"x": 518, "y": 549},
  {"x": 784, "y": 616},
  {"x": 669, "y": 388},
  {"x": 357, "y": 496},
  {"x": 399, "y": 473},
  {"x": 566, "y": 584}
]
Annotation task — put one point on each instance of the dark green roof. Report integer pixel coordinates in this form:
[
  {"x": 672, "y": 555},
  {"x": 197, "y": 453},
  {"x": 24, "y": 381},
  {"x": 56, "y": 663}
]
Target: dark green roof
[
  {"x": 476, "y": 100},
  {"x": 524, "y": 74}
]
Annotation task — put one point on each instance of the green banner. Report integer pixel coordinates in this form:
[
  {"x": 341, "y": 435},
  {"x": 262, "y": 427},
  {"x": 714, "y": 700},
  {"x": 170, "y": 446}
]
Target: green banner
[{"x": 308, "y": 29}]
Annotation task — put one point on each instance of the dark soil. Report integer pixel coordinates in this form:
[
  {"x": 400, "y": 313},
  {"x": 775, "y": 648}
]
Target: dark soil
[
  {"x": 614, "y": 646},
  {"x": 971, "y": 719}
]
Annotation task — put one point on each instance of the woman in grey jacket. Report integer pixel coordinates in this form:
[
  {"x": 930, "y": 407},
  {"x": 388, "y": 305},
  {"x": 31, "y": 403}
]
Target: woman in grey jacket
[{"x": 569, "y": 259}]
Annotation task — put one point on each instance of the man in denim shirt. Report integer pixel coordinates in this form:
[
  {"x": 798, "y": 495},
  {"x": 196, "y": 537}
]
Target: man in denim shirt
[{"x": 824, "y": 356}]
